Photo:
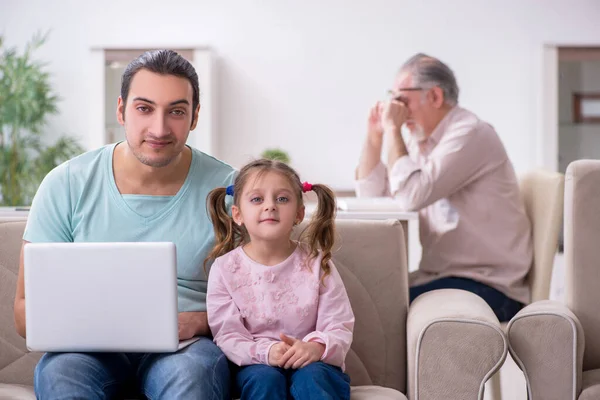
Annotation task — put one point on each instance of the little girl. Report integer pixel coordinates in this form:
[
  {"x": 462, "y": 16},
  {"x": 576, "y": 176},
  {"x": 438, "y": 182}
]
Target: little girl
[{"x": 278, "y": 308}]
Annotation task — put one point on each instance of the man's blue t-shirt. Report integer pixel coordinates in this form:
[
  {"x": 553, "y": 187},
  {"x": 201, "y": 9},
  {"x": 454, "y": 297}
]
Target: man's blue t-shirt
[{"x": 79, "y": 201}]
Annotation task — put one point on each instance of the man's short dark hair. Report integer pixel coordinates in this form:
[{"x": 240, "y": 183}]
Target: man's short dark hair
[{"x": 164, "y": 62}]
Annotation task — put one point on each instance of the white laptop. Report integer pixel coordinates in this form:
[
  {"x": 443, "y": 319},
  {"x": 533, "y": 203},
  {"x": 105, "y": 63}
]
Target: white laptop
[{"x": 101, "y": 297}]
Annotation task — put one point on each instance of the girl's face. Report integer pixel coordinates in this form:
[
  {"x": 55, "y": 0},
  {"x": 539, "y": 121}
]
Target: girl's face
[{"x": 268, "y": 207}]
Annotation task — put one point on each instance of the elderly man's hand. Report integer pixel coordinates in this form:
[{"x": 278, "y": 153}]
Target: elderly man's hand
[
  {"x": 393, "y": 114},
  {"x": 374, "y": 128}
]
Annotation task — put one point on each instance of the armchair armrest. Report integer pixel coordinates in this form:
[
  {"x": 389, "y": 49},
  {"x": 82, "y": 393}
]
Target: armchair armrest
[
  {"x": 455, "y": 344},
  {"x": 547, "y": 342}
]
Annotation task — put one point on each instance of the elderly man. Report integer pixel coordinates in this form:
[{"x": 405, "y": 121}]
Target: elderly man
[{"x": 449, "y": 165}]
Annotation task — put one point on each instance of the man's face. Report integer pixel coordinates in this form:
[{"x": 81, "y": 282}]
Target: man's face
[
  {"x": 157, "y": 117},
  {"x": 416, "y": 100}
]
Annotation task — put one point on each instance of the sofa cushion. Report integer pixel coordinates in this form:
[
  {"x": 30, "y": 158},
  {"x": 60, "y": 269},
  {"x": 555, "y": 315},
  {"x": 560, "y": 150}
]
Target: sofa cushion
[
  {"x": 375, "y": 393},
  {"x": 371, "y": 392},
  {"x": 22, "y": 392},
  {"x": 16, "y": 392}
]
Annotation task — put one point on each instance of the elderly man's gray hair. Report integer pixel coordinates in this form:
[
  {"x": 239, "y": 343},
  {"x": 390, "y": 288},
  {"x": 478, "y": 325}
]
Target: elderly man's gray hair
[{"x": 428, "y": 71}]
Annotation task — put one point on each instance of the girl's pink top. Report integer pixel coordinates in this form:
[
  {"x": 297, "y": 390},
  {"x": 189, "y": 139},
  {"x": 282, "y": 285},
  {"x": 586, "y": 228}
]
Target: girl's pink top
[{"x": 250, "y": 304}]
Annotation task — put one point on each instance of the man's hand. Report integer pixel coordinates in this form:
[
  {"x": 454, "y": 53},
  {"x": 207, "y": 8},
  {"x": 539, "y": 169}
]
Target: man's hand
[
  {"x": 300, "y": 353},
  {"x": 276, "y": 352},
  {"x": 371, "y": 152},
  {"x": 192, "y": 324},
  {"x": 393, "y": 115},
  {"x": 374, "y": 128}
]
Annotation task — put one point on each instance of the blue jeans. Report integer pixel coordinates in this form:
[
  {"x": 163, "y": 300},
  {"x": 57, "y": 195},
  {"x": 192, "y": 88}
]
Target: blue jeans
[
  {"x": 316, "y": 381},
  {"x": 199, "y": 371},
  {"x": 504, "y": 307}
]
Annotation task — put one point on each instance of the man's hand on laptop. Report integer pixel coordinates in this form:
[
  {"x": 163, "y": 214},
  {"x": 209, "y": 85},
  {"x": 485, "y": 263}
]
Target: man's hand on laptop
[{"x": 192, "y": 323}]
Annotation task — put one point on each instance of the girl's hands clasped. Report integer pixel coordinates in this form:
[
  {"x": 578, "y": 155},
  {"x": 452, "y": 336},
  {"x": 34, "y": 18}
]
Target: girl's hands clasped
[{"x": 299, "y": 353}]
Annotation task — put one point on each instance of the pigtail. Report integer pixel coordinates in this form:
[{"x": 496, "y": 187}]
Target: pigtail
[
  {"x": 228, "y": 235},
  {"x": 320, "y": 233}
]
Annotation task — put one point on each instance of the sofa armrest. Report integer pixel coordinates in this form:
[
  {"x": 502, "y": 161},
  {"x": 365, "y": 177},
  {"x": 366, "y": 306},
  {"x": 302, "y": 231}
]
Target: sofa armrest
[
  {"x": 547, "y": 342},
  {"x": 455, "y": 344}
]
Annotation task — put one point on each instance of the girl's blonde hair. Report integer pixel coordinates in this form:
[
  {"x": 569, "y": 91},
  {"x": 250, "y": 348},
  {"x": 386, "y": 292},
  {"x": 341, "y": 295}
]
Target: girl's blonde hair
[{"x": 319, "y": 234}]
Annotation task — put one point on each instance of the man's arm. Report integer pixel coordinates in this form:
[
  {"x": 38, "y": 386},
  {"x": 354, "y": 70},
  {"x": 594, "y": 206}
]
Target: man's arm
[
  {"x": 19, "y": 307},
  {"x": 370, "y": 156},
  {"x": 48, "y": 221},
  {"x": 371, "y": 178},
  {"x": 371, "y": 152},
  {"x": 393, "y": 116},
  {"x": 371, "y": 175},
  {"x": 461, "y": 156},
  {"x": 396, "y": 148}
]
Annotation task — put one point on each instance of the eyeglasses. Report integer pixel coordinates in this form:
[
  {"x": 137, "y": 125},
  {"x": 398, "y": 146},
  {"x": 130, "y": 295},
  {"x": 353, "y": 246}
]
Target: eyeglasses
[
  {"x": 395, "y": 94},
  {"x": 408, "y": 89}
]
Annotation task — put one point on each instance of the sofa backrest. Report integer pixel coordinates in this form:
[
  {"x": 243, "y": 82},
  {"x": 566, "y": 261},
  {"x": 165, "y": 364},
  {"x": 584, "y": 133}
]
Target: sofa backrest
[
  {"x": 543, "y": 194},
  {"x": 16, "y": 364},
  {"x": 372, "y": 260}
]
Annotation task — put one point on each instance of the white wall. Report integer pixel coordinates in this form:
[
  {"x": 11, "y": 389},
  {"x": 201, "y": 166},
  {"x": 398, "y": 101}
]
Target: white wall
[
  {"x": 301, "y": 75},
  {"x": 577, "y": 141}
]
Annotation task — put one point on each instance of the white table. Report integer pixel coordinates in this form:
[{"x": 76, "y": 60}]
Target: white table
[{"x": 409, "y": 221}]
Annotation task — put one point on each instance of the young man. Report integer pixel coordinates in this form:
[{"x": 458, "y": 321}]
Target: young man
[
  {"x": 152, "y": 187},
  {"x": 452, "y": 168}
]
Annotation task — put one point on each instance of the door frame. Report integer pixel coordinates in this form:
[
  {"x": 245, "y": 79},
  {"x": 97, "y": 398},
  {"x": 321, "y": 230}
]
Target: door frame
[{"x": 547, "y": 150}]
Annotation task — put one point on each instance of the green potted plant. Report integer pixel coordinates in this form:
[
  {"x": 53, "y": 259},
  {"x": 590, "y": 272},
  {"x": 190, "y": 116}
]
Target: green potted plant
[
  {"x": 26, "y": 99},
  {"x": 276, "y": 154}
]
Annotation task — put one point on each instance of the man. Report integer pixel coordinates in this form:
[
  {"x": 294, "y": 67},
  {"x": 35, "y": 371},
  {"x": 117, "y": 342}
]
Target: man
[
  {"x": 152, "y": 187},
  {"x": 451, "y": 167}
]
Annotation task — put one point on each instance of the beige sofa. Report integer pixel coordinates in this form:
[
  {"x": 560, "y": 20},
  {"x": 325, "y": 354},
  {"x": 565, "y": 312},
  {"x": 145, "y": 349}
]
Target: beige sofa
[
  {"x": 444, "y": 346},
  {"x": 558, "y": 345}
]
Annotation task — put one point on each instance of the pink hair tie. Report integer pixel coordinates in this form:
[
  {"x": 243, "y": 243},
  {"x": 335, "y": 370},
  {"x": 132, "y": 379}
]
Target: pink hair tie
[{"x": 307, "y": 187}]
